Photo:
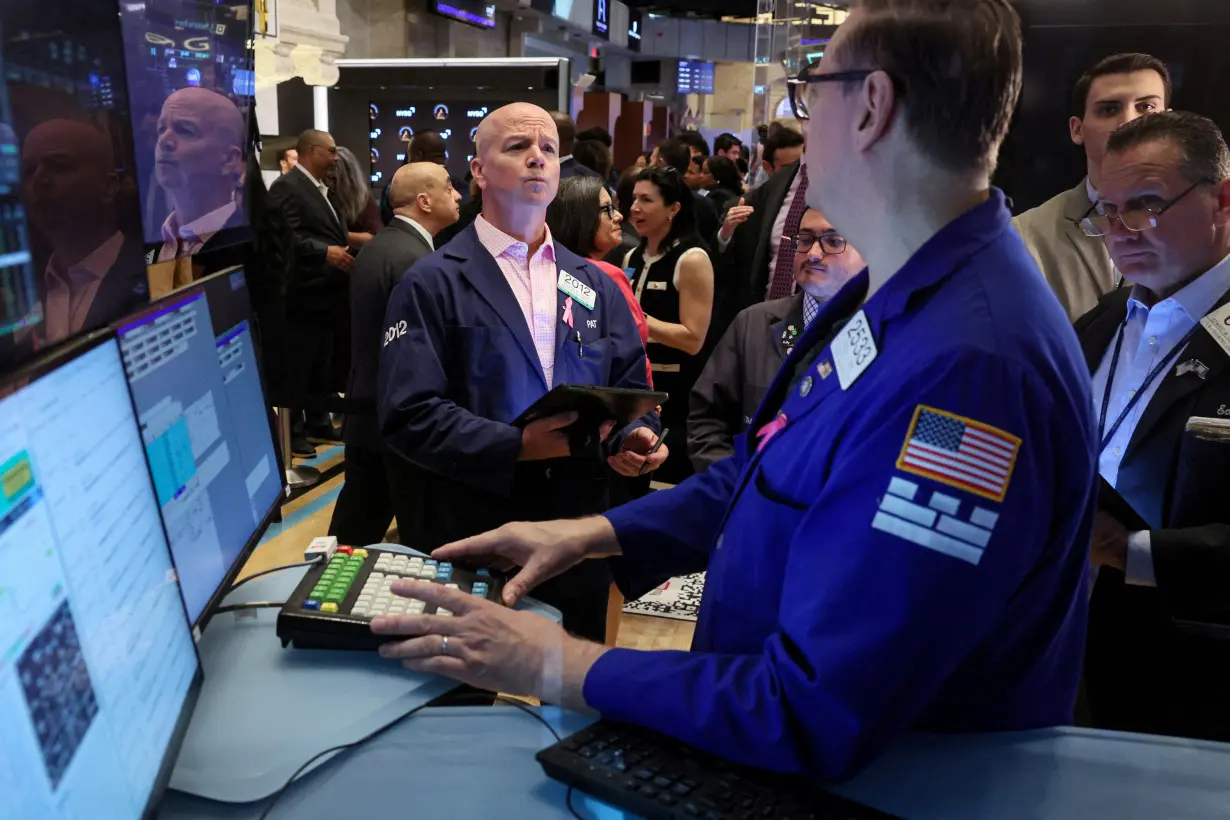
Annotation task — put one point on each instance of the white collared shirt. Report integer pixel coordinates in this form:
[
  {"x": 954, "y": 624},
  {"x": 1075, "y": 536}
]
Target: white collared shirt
[
  {"x": 70, "y": 293},
  {"x": 423, "y": 232},
  {"x": 185, "y": 240},
  {"x": 324, "y": 191},
  {"x": 1149, "y": 334}
]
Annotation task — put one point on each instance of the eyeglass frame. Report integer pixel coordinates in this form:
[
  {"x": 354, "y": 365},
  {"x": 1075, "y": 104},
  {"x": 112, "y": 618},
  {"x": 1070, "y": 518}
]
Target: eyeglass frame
[
  {"x": 820, "y": 238},
  {"x": 798, "y": 105},
  {"x": 1153, "y": 215},
  {"x": 610, "y": 209}
]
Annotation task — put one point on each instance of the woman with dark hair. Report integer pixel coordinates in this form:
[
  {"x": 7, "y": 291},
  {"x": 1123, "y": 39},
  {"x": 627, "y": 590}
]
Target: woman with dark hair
[
  {"x": 360, "y": 211},
  {"x": 726, "y": 188},
  {"x": 623, "y": 199},
  {"x": 584, "y": 220},
  {"x": 672, "y": 278}
]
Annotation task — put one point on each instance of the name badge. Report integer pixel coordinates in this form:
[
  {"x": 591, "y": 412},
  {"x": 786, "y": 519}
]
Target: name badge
[
  {"x": 577, "y": 289},
  {"x": 854, "y": 349},
  {"x": 656, "y": 285},
  {"x": 1217, "y": 324}
]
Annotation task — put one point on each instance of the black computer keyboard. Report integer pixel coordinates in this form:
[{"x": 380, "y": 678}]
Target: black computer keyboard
[{"x": 659, "y": 778}]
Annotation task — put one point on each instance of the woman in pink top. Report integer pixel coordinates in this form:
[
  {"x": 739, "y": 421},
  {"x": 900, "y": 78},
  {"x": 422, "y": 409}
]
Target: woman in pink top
[{"x": 583, "y": 219}]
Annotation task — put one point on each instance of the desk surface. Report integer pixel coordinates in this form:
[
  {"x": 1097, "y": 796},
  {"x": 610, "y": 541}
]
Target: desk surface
[{"x": 478, "y": 762}]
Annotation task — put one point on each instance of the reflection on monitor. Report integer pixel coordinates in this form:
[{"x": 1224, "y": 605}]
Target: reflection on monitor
[
  {"x": 204, "y": 422},
  {"x": 97, "y": 664},
  {"x": 191, "y": 85}
]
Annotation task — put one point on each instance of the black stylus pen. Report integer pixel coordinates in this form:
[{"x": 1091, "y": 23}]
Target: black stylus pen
[
  {"x": 580, "y": 350},
  {"x": 656, "y": 447}
]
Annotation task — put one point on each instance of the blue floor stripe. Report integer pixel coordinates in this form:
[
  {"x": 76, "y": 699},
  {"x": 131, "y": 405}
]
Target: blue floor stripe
[
  {"x": 327, "y": 454},
  {"x": 303, "y": 513}
]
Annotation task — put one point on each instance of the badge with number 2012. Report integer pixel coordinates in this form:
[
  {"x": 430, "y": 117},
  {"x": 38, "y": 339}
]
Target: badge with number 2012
[{"x": 853, "y": 350}]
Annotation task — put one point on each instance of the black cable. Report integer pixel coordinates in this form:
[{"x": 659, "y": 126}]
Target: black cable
[
  {"x": 255, "y": 575},
  {"x": 481, "y": 697},
  {"x": 250, "y": 605}
]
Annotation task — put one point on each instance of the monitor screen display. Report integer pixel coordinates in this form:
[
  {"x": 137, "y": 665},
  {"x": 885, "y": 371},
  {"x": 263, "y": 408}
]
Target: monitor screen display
[
  {"x": 394, "y": 122},
  {"x": 191, "y": 83},
  {"x": 206, "y": 432},
  {"x": 602, "y": 19},
  {"x": 97, "y": 664},
  {"x": 695, "y": 77},
  {"x": 473, "y": 12}
]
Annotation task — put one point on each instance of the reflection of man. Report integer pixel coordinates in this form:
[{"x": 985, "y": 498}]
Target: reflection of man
[
  {"x": 95, "y": 274},
  {"x": 738, "y": 374},
  {"x": 424, "y": 202},
  {"x": 481, "y": 330},
  {"x": 199, "y": 163},
  {"x": 287, "y": 158}
]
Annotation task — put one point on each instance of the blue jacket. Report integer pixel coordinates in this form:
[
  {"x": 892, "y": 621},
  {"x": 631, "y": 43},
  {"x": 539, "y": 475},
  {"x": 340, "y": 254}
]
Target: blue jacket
[
  {"x": 458, "y": 365},
  {"x": 906, "y": 553}
]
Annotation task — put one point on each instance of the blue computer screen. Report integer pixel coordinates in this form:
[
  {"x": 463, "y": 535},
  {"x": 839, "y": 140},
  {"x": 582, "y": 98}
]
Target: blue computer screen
[
  {"x": 206, "y": 431},
  {"x": 96, "y": 654}
]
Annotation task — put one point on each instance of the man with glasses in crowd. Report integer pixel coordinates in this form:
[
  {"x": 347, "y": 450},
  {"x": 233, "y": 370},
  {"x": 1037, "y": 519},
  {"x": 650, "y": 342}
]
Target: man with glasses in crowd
[
  {"x": 1158, "y": 654},
  {"x": 901, "y": 541},
  {"x": 738, "y": 374}
]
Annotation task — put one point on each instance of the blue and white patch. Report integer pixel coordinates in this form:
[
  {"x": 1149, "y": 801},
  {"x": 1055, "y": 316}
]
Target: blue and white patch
[{"x": 939, "y": 524}]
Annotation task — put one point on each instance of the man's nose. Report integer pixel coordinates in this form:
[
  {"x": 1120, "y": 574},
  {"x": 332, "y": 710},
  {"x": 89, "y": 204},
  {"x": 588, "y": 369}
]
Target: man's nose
[{"x": 536, "y": 157}]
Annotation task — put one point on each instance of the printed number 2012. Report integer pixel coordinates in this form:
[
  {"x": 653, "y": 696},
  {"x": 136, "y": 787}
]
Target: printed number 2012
[{"x": 395, "y": 332}]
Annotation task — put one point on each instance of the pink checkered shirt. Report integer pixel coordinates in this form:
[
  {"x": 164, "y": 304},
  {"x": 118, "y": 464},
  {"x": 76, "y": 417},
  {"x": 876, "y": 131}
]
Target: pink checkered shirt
[{"x": 533, "y": 281}]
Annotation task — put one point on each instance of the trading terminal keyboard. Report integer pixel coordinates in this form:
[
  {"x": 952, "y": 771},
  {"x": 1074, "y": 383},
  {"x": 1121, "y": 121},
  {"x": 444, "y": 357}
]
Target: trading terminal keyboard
[
  {"x": 332, "y": 607},
  {"x": 660, "y": 778}
]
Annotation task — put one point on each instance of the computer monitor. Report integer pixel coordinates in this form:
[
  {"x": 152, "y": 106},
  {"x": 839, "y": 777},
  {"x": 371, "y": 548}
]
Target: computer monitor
[
  {"x": 98, "y": 670},
  {"x": 191, "y": 368}
]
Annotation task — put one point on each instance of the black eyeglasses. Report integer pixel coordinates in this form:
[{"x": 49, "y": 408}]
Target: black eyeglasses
[
  {"x": 608, "y": 209},
  {"x": 830, "y": 242},
  {"x": 1098, "y": 219},
  {"x": 797, "y": 86}
]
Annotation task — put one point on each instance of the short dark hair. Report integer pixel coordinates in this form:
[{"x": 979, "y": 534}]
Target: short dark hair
[
  {"x": 310, "y": 137},
  {"x": 596, "y": 133},
  {"x": 624, "y": 188},
  {"x": 675, "y": 154},
  {"x": 1117, "y": 64},
  {"x": 1205, "y": 155},
  {"x": 573, "y": 215},
  {"x": 693, "y": 139},
  {"x": 670, "y": 185},
  {"x": 424, "y": 145},
  {"x": 956, "y": 65},
  {"x": 567, "y": 129},
  {"x": 724, "y": 142},
  {"x": 281, "y": 157},
  {"x": 780, "y": 138},
  {"x": 593, "y": 155},
  {"x": 725, "y": 174}
]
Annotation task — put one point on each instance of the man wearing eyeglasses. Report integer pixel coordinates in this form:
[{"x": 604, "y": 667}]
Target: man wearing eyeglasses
[
  {"x": 1161, "y": 386},
  {"x": 745, "y": 361}
]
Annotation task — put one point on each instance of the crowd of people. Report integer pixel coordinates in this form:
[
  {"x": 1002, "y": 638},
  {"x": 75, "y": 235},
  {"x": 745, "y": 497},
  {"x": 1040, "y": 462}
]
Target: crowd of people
[{"x": 882, "y": 427}]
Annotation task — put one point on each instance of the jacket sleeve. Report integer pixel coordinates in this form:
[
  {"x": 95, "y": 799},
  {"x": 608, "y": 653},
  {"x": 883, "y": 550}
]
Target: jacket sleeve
[
  {"x": 310, "y": 251},
  {"x": 1191, "y": 566},
  {"x": 875, "y": 614},
  {"x": 715, "y": 409},
  {"x": 418, "y": 420}
]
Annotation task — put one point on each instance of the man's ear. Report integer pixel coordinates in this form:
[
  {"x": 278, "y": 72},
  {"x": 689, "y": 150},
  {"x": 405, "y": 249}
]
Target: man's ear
[
  {"x": 1222, "y": 216},
  {"x": 879, "y": 103},
  {"x": 1076, "y": 128}
]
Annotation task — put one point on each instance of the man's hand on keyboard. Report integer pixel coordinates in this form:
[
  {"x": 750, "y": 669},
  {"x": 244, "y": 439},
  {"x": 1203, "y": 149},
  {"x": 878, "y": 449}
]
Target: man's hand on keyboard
[{"x": 542, "y": 550}]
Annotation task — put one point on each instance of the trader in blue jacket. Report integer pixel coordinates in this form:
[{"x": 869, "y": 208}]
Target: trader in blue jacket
[
  {"x": 901, "y": 540},
  {"x": 480, "y": 330}
]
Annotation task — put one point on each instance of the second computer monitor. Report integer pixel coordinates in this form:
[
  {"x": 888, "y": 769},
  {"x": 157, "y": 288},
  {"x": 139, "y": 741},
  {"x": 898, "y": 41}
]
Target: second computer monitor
[{"x": 192, "y": 372}]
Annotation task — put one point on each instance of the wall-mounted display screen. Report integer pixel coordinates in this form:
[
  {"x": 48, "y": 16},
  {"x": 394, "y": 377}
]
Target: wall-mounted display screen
[
  {"x": 695, "y": 77},
  {"x": 634, "y": 30},
  {"x": 602, "y": 19},
  {"x": 473, "y": 12},
  {"x": 394, "y": 124}
]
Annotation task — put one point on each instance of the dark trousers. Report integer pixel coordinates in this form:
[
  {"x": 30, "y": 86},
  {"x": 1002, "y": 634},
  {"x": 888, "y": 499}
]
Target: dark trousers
[
  {"x": 310, "y": 359},
  {"x": 377, "y": 490}
]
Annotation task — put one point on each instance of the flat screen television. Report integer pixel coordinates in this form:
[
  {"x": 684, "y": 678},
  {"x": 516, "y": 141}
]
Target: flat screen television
[{"x": 695, "y": 77}]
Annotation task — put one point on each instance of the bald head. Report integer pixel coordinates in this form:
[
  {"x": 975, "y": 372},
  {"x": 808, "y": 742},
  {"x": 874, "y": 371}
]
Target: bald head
[
  {"x": 516, "y": 165},
  {"x": 567, "y": 132},
  {"x": 423, "y": 191},
  {"x": 199, "y": 153},
  {"x": 317, "y": 152},
  {"x": 68, "y": 175}
]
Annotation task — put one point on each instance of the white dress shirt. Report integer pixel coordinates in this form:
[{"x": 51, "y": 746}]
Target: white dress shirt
[
  {"x": 71, "y": 292},
  {"x": 185, "y": 240},
  {"x": 1149, "y": 334},
  {"x": 324, "y": 191},
  {"x": 422, "y": 231}
]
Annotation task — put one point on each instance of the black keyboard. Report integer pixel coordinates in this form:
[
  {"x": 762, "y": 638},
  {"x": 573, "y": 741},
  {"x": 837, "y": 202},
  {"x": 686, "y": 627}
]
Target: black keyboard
[{"x": 660, "y": 778}]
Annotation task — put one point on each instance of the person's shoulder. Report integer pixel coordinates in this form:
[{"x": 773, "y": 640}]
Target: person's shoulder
[{"x": 1045, "y": 217}]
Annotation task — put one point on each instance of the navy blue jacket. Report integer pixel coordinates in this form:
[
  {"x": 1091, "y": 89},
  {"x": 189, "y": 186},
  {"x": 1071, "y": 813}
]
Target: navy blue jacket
[
  {"x": 909, "y": 552},
  {"x": 458, "y": 365}
]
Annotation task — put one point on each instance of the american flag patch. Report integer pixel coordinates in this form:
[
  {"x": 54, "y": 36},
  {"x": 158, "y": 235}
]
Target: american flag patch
[{"x": 959, "y": 452}]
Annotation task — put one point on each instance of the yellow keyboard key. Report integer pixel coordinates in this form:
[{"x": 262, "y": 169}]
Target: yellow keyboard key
[{"x": 328, "y": 607}]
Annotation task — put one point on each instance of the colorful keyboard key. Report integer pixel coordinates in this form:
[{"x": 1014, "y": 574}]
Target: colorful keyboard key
[
  {"x": 328, "y": 607},
  {"x": 362, "y": 553},
  {"x": 311, "y": 604}
]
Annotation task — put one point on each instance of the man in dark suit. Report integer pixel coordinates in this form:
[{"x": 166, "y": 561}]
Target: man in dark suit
[
  {"x": 1158, "y": 652},
  {"x": 318, "y": 280},
  {"x": 746, "y": 360},
  {"x": 378, "y": 486},
  {"x": 568, "y": 166}
]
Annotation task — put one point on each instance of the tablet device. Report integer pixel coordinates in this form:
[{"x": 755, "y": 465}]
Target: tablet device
[
  {"x": 1118, "y": 507},
  {"x": 593, "y": 405}
]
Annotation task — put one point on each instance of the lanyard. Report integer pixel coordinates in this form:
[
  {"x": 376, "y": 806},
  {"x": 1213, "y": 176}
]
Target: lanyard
[{"x": 1153, "y": 374}]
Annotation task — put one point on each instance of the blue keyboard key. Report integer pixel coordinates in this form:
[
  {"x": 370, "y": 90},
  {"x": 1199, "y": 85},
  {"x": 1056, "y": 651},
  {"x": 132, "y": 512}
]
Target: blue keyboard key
[
  {"x": 446, "y": 565},
  {"x": 430, "y": 563},
  {"x": 311, "y": 604},
  {"x": 483, "y": 573}
]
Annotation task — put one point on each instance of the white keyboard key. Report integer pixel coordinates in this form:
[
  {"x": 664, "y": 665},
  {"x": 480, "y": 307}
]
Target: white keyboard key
[
  {"x": 444, "y": 613},
  {"x": 416, "y": 607},
  {"x": 452, "y": 586}
]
